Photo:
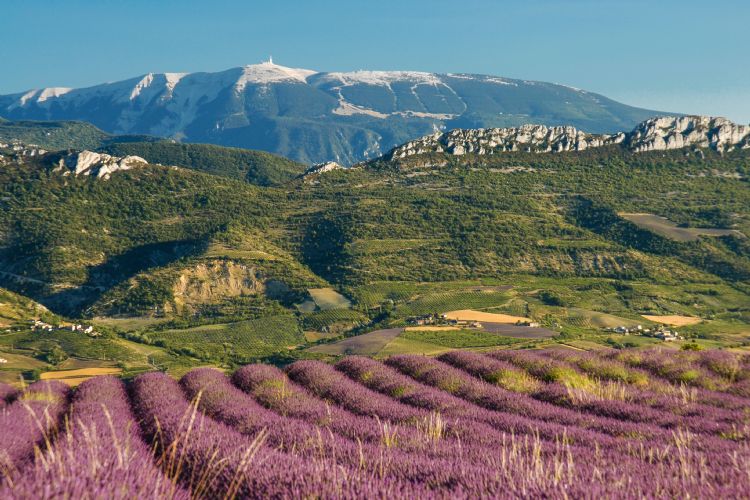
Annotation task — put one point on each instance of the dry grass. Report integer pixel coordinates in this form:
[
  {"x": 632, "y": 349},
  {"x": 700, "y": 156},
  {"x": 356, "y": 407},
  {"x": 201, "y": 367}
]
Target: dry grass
[
  {"x": 674, "y": 320},
  {"x": 471, "y": 315},
  {"x": 20, "y": 362}
]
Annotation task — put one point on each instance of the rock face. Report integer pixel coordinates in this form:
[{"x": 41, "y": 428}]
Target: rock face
[
  {"x": 654, "y": 134},
  {"x": 99, "y": 165},
  {"x": 527, "y": 138},
  {"x": 313, "y": 116},
  {"x": 668, "y": 132}
]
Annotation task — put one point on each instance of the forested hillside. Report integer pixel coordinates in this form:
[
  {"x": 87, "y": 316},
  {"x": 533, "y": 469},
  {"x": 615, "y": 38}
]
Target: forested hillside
[
  {"x": 255, "y": 167},
  {"x": 184, "y": 259}
]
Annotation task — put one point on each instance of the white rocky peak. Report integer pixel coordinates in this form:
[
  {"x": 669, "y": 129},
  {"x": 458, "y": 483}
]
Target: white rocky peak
[
  {"x": 655, "y": 134},
  {"x": 268, "y": 72},
  {"x": 145, "y": 82},
  {"x": 320, "y": 168},
  {"x": 99, "y": 165},
  {"x": 173, "y": 79}
]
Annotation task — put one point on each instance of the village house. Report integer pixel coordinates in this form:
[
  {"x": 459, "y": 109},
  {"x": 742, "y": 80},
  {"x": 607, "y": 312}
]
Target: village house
[
  {"x": 627, "y": 330},
  {"x": 41, "y": 325}
]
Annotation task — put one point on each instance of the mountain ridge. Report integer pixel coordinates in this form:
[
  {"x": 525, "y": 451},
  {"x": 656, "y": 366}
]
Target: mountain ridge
[
  {"x": 313, "y": 116},
  {"x": 654, "y": 134}
]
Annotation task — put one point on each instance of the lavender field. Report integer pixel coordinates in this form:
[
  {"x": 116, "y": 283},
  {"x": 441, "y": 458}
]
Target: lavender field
[{"x": 504, "y": 424}]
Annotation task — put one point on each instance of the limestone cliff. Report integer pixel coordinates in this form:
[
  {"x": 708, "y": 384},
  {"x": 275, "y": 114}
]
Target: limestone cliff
[{"x": 654, "y": 134}]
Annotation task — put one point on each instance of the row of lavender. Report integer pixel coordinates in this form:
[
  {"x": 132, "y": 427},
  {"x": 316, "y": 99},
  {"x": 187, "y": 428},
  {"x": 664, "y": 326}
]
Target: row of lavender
[{"x": 501, "y": 424}]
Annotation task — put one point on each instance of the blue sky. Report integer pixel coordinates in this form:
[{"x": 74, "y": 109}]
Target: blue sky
[{"x": 676, "y": 55}]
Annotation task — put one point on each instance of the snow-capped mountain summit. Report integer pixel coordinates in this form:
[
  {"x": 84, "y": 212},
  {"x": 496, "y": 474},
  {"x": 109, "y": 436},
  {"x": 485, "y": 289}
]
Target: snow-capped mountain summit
[
  {"x": 268, "y": 72},
  {"x": 317, "y": 116}
]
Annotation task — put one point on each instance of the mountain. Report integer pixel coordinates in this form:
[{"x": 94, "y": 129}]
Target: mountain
[
  {"x": 315, "y": 116},
  {"x": 655, "y": 134}
]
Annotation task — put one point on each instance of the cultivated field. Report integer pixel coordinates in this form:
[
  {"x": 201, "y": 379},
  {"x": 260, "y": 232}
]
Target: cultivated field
[
  {"x": 367, "y": 345},
  {"x": 673, "y": 320},
  {"x": 469, "y": 315},
  {"x": 504, "y": 424}
]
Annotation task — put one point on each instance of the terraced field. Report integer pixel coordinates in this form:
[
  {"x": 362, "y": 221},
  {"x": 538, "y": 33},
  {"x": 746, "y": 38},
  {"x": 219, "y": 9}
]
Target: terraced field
[{"x": 503, "y": 424}]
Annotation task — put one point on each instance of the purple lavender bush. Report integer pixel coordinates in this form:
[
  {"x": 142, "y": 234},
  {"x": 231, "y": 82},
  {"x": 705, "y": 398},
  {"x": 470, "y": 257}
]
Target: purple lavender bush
[{"x": 30, "y": 423}]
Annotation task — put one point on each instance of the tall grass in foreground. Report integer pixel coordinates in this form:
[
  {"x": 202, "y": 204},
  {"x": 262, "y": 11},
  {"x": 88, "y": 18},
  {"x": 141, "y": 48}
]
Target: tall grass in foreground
[
  {"x": 226, "y": 403},
  {"x": 271, "y": 388},
  {"x": 455, "y": 381},
  {"x": 215, "y": 460},
  {"x": 565, "y": 386},
  {"x": 100, "y": 454},
  {"x": 387, "y": 380}
]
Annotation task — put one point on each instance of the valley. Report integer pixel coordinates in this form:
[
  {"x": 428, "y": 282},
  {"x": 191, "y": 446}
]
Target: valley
[{"x": 209, "y": 264}]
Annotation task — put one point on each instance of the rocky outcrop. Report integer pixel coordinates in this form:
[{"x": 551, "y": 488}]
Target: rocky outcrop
[
  {"x": 20, "y": 150},
  {"x": 527, "y": 138},
  {"x": 670, "y": 132},
  {"x": 99, "y": 165},
  {"x": 214, "y": 281},
  {"x": 654, "y": 134},
  {"x": 321, "y": 168}
]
